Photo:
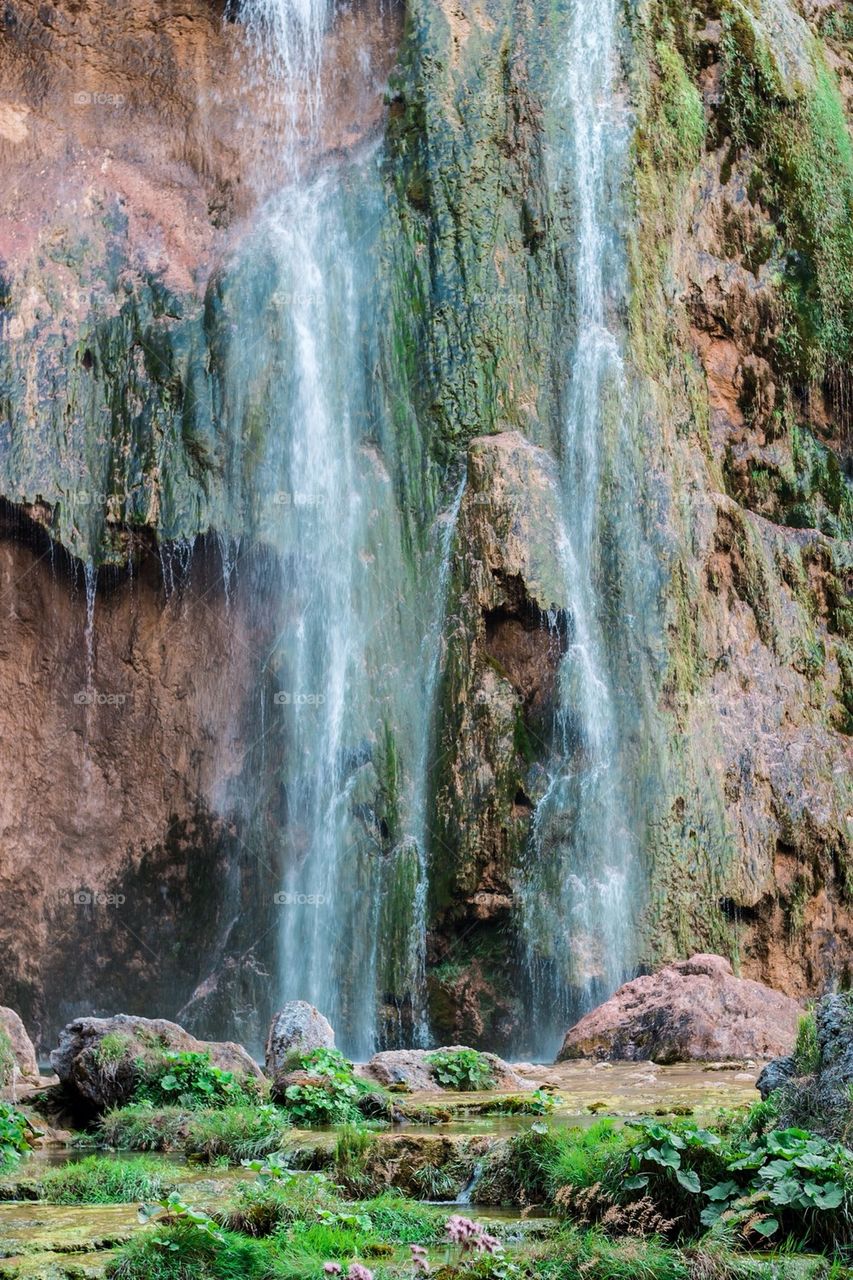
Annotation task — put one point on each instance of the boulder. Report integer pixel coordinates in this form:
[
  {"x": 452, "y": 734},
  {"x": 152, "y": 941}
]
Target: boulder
[
  {"x": 775, "y": 1074},
  {"x": 100, "y": 1075},
  {"x": 412, "y": 1068},
  {"x": 816, "y": 1090},
  {"x": 22, "y": 1051},
  {"x": 694, "y": 1010},
  {"x": 297, "y": 1028}
]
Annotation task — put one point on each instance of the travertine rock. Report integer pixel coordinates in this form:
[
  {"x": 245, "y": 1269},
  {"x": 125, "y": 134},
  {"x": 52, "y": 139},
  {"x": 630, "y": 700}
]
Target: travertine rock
[{"x": 693, "y": 1010}]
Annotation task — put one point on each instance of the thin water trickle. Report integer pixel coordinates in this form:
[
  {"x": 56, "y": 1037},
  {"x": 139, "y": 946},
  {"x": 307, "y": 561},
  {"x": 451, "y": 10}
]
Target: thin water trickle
[{"x": 575, "y": 888}]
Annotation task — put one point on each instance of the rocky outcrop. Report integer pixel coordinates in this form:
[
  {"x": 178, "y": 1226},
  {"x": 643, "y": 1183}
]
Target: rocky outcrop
[
  {"x": 506, "y": 634},
  {"x": 748, "y": 766},
  {"x": 812, "y": 1087},
  {"x": 138, "y": 144},
  {"x": 18, "y": 1063},
  {"x": 296, "y": 1029},
  {"x": 100, "y": 1061},
  {"x": 412, "y": 1068},
  {"x": 124, "y": 848},
  {"x": 695, "y": 1010}
]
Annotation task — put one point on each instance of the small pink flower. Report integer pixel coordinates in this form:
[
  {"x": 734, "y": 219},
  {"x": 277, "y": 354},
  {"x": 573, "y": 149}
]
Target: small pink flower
[
  {"x": 332, "y": 1268},
  {"x": 472, "y": 1236},
  {"x": 419, "y": 1258},
  {"x": 358, "y": 1272}
]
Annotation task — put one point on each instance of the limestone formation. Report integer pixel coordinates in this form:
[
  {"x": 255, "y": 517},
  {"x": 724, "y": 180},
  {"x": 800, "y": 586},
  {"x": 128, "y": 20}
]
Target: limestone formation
[
  {"x": 412, "y": 1068},
  {"x": 694, "y": 1010}
]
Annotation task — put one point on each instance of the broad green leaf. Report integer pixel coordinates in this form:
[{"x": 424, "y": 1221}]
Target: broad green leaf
[
  {"x": 722, "y": 1191},
  {"x": 766, "y": 1226},
  {"x": 689, "y": 1180}
]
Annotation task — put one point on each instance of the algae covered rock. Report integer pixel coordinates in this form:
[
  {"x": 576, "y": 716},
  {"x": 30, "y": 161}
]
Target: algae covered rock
[
  {"x": 18, "y": 1058},
  {"x": 101, "y": 1061},
  {"x": 694, "y": 1010}
]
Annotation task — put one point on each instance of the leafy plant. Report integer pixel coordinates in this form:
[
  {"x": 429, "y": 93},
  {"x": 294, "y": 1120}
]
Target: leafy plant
[
  {"x": 788, "y": 1182},
  {"x": 191, "y": 1080},
  {"x": 14, "y": 1128},
  {"x": 174, "y": 1209},
  {"x": 334, "y": 1099},
  {"x": 464, "y": 1070}
]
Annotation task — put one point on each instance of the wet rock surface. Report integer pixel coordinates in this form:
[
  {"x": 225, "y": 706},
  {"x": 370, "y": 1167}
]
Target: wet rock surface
[
  {"x": 122, "y": 847},
  {"x": 693, "y": 1010}
]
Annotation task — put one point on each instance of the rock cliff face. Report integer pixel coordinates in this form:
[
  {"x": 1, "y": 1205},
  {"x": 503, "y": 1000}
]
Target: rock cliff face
[{"x": 138, "y": 144}]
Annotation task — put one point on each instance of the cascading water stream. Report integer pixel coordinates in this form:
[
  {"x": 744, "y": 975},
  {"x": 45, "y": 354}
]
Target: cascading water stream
[
  {"x": 355, "y": 674},
  {"x": 575, "y": 885}
]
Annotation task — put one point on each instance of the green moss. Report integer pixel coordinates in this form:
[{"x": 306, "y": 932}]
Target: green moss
[
  {"x": 796, "y": 133},
  {"x": 111, "y": 1048},
  {"x": 677, "y": 143}
]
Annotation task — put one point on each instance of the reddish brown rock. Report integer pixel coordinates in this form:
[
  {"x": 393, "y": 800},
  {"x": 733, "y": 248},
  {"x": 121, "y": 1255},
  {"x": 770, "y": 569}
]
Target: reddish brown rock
[
  {"x": 22, "y": 1049},
  {"x": 695, "y": 1010}
]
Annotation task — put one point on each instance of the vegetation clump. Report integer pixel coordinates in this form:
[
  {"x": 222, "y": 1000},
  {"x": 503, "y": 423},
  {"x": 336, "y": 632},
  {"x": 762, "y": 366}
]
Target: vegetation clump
[
  {"x": 237, "y": 1132},
  {"x": 8, "y": 1062},
  {"x": 796, "y": 132},
  {"x": 14, "y": 1131},
  {"x": 100, "y": 1180},
  {"x": 331, "y": 1094},
  {"x": 191, "y": 1080},
  {"x": 461, "y": 1069}
]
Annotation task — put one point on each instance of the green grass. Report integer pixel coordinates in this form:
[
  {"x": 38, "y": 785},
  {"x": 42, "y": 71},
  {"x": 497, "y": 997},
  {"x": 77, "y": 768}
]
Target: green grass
[
  {"x": 8, "y": 1062},
  {"x": 806, "y": 1050},
  {"x": 98, "y": 1180},
  {"x": 183, "y": 1253},
  {"x": 532, "y": 1166},
  {"x": 139, "y": 1127},
  {"x": 238, "y": 1133},
  {"x": 591, "y": 1255}
]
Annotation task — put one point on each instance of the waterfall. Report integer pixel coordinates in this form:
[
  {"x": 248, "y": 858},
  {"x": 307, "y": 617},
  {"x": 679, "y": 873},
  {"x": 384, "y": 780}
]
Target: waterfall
[
  {"x": 575, "y": 888},
  {"x": 356, "y": 659}
]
